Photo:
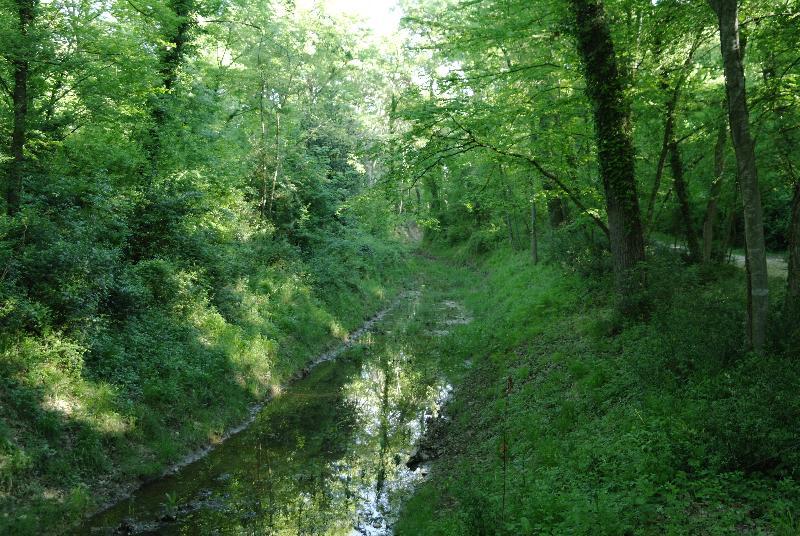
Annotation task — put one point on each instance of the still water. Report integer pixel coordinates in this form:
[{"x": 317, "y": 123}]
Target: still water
[{"x": 325, "y": 457}]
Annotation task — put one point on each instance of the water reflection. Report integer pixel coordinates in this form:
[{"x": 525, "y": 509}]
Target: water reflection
[{"x": 327, "y": 457}]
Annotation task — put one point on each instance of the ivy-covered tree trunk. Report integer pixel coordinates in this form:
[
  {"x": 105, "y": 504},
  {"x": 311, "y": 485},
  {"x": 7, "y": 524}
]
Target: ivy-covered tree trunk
[
  {"x": 556, "y": 211},
  {"x": 21, "y": 67},
  {"x": 172, "y": 53},
  {"x": 534, "y": 235},
  {"x": 739, "y": 118},
  {"x": 433, "y": 192},
  {"x": 604, "y": 87}
]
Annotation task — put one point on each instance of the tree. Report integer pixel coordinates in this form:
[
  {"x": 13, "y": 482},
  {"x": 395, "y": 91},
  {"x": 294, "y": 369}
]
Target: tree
[
  {"x": 171, "y": 51},
  {"x": 20, "y": 59},
  {"x": 739, "y": 119},
  {"x": 605, "y": 89}
]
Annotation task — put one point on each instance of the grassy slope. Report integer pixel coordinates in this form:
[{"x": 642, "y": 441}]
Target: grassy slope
[
  {"x": 81, "y": 419},
  {"x": 662, "y": 427}
]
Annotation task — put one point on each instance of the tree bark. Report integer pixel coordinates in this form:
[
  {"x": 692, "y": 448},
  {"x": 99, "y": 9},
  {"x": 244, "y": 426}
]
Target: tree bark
[
  {"x": 793, "y": 279},
  {"x": 739, "y": 118},
  {"x": 512, "y": 234},
  {"x": 676, "y": 166},
  {"x": 556, "y": 211},
  {"x": 669, "y": 127},
  {"x": 433, "y": 191},
  {"x": 668, "y": 138},
  {"x": 604, "y": 87},
  {"x": 171, "y": 58},
  {"x": 21, "y": 66},
  {"x": 263, "y": 167},
  {"x": 277, "y": 161},
  {"x": 713, "y": 197},
  {"x": 534, "y": 236}
]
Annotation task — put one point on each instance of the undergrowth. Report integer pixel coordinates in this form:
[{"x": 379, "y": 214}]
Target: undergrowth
[
  {"x": 107, "y": 381},
  {"x": 567, "y": 420}
]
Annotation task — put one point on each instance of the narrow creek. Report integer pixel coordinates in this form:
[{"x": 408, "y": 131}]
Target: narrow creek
[{"x": 327, "y": 456}]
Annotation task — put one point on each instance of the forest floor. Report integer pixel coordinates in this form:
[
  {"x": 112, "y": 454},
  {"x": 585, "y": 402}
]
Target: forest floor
[{"x": 566, "y": 420}]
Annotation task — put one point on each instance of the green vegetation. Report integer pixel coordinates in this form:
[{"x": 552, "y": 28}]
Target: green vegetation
[
  {"x": 183, "y": 230},
  {"x": 571, "y": 420},
  {"x": 83, "y": 415},
  {"x": 198, "y": 197}
]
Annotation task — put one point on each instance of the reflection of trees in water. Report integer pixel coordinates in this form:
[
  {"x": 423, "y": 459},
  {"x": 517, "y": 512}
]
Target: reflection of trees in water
[
  {"x": 390, "y": 394},
  {"x": 295, "y": 484},
  {"x": 324, "y": 457}
]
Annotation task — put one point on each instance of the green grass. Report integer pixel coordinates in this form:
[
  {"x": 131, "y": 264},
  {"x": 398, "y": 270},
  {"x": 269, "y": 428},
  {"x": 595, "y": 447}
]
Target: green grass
[{"x": 657, "y": 427}]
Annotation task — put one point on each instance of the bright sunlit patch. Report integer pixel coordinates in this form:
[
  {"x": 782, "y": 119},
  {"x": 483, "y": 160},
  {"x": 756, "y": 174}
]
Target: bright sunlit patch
[{"x": 382, "y": 16}]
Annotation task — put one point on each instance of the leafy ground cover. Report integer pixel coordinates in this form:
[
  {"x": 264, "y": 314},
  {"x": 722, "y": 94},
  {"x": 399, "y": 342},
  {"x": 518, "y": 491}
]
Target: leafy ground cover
[{"x": 568, "y": 420}]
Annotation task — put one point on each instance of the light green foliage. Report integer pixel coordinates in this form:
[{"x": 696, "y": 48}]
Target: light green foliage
[
  {"x": 502, "y": 88},
  {"x": 196, "y": 224},
  {"x": 200, "y": 196}
]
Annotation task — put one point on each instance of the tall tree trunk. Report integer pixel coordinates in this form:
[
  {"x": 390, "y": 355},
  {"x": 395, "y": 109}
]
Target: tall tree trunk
[
  {"x": 21, "y": 66},
  {"x": 716, "y": 189},
  {"x": 262, "y": 117},
  {"x": 512, "y": 235},
  {"x": 669, "y": 126},
  {"x": 556, "y": 211},
  {"x": 731, "y": 220},
  {"x": 555, "y": 203},
  {"x": 277, "y": 160},
  {"x": 604, "y": 87},
  {"x": 739, "y": 118},
  {"x": 786, "y": 150},
  {"x": 510, "y": 230},
  {"x": 793, "y": 280},
  {"x": 534, "y": 236},
  {"x": 172, "y": 54},
  {"x": 433, "y": 190},
  {"x": 676, "y": 166}
]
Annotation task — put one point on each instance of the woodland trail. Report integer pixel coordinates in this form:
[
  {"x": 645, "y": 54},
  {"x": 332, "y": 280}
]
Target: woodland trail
[{"x": 776, "y": 264}]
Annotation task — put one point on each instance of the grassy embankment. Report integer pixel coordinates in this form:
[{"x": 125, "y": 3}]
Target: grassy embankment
[
  {"x": 566, "y": 420},
  {"x": 84, "y": 413}
]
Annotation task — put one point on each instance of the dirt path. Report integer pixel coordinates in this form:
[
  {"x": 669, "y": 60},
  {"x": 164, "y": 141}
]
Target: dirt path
[{"x": 776, "y": 264}]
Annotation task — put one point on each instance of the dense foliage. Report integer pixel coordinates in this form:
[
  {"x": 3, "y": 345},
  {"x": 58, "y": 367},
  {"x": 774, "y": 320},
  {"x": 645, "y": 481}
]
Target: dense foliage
[
  {"x": 636, "y": 384},
  {"x": 499, "y": 131},
  {"x": 199, "y": 195},
  {"x": 181, "y": 228},
  {"x": 567, "y": 421}
]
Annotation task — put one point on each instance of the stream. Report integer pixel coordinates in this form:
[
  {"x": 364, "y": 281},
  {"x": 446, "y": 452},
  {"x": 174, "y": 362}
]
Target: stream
[{"x": 327, "y": 456}]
